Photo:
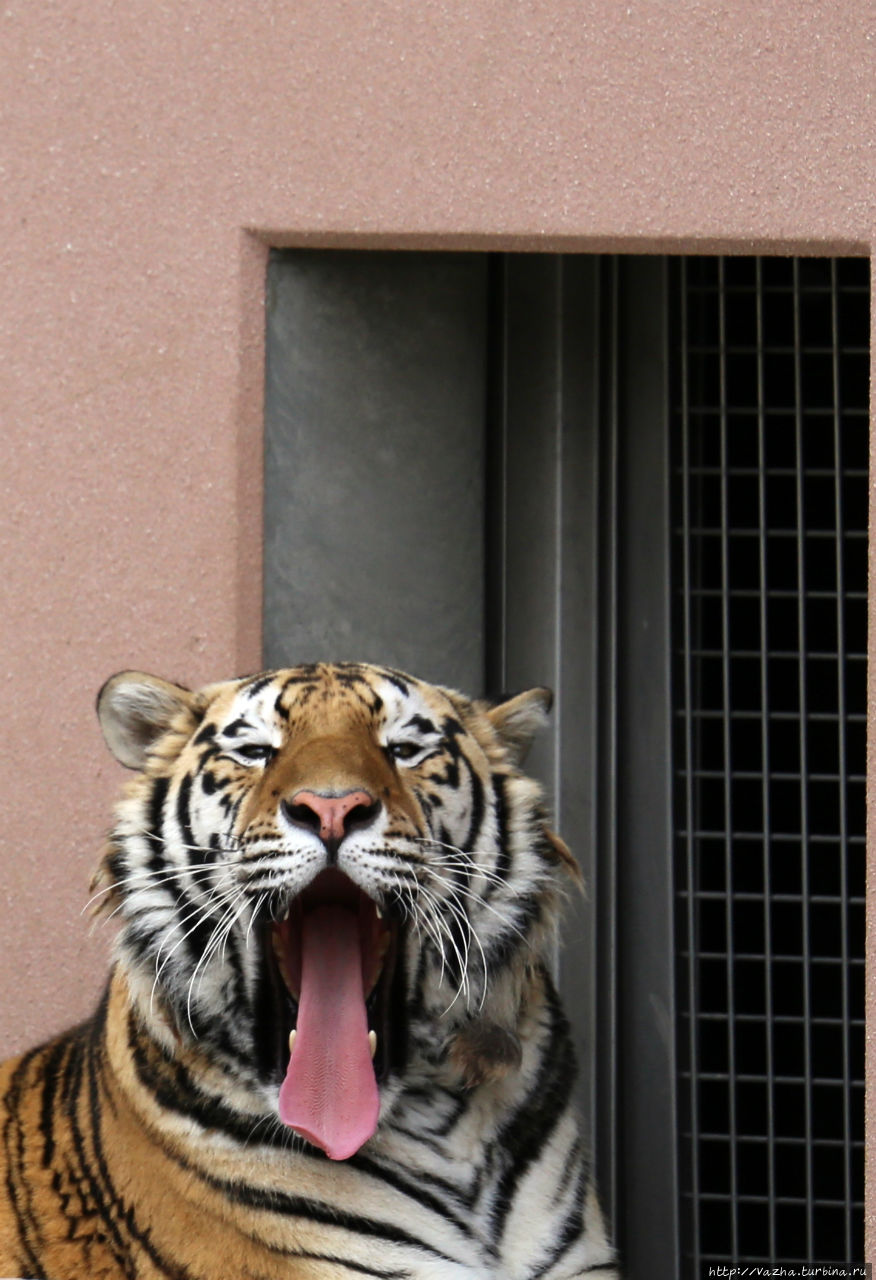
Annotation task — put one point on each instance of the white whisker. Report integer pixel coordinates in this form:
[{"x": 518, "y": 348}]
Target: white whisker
[
  {"x": 203, "y": 913},
  {"x": 487, "y": 906},
  {"x": 226, "y": 922},
  {"x": 462, "y": 958},
  {"x": 141, "y": 878},
  {"x": 252, "y": 919}
]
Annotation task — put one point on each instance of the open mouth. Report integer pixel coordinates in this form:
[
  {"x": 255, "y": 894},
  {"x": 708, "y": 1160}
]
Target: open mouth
[{"x": 337, "y": 959}]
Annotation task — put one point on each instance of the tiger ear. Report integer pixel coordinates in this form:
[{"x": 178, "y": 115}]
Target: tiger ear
[
  {"x": 519, "y": 719},
  {"x": 134, "y": 709}
]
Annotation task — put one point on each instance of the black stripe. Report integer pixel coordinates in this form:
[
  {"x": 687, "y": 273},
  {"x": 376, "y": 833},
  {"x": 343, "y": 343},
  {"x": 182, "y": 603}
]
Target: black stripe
[
  {"x": 259, "y": 683},
  {"x": 415, "y": 1004},
  {"x": 420, "y": 722},
  {"x": 575, "y": 1159},
  {"x": 524, "y": 1134},
  {"x": 51, "y": 1070},
  {"x": 358, "y": 1267},
  {"x": 156, "y": 822},
  {"x": 33, "y": 1269},
  {"x": 197, "y": 934},
  {"x": 500, "y": 950},
  {"x": 234, "y": 950},
  {"x": 306, "y": 675},
  {"x": 13, "y": 1139},
  {"x": 184, "y": 818},
  {"x": 503, "y": 864},
  {"x": 396, "y": 678},
  {"x": 572, "y": 1229},
  {"x": 465, "y": 1197},
  {"x": 272, "y": 1019},
  {"x": 477, "y": 808},
  {"x": 80, "y": 1061},
  {"x": 205, "y": 734},
  {"x": 271, "y": 1201},
  {"x": 115, "y": 864},
  {"x": 458, "y": 1109},
  {"x": 414, "y": 1191},
  {"x": 457, "y": 921},
  {"x": 237, "y": 727},
  {"x": 433, "y": 1145},
  {"x": 350, "y": 678},
  {"x": 173, "y": 1088},
  {"x": 122, "y": 1213}
]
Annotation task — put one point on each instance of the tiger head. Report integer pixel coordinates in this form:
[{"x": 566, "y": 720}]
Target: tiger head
[{"x": 333, "y": 881}]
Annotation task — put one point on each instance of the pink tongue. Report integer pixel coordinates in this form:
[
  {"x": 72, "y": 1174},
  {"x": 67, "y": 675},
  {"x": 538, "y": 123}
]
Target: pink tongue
[{"x": 330, "y": 1094}]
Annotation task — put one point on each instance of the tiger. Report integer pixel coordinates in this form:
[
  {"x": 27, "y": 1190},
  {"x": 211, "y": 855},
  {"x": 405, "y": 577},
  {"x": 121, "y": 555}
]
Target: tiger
[{"x": 330, "y": 1045}]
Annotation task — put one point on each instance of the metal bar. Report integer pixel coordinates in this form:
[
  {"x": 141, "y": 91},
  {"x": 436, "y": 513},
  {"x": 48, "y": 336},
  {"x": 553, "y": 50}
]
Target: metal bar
[
  {"x": 765, "y": 767},
  {"x": 728, "y": 795},
  {"x": 582, "y": 594},
  {"x": 496, "y": 479},
  {"x": 647, "y": 1067},
  {"x": 841, "y": 747},
  {"x": 553, "y": 605},
  {"x": 606, "y": 738},
  {"x": 688, "y": 837},
  {"x": 804, "y": 757},
  {"x": 665, "y": 640},
  {"x": 560, "y": 357}
]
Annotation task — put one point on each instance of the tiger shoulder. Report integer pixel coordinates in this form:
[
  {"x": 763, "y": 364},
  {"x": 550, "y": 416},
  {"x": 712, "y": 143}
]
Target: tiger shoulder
[{"x": 330, "y": 1045}]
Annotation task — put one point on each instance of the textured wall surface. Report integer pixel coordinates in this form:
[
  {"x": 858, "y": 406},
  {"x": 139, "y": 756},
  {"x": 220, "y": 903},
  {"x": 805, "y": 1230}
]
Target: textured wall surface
[{"x": 149, "y": 153}]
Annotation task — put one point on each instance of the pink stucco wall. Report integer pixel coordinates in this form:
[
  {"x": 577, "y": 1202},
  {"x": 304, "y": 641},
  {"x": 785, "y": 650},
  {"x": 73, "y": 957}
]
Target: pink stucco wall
[{"x": 150, "y": 152}]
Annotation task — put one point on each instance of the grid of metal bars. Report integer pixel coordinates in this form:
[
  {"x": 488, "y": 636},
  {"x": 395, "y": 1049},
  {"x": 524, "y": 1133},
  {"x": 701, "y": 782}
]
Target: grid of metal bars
[{"x": 770, "y": 538}]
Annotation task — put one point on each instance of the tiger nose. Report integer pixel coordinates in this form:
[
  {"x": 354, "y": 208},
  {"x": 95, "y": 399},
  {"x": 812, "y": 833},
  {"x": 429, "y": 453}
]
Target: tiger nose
[{"x": 331, "y": 817}]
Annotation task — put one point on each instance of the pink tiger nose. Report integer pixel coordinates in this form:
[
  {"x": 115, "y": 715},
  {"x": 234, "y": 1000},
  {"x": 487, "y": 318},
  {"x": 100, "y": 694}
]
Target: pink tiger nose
[{"x": 331, "y": 817}]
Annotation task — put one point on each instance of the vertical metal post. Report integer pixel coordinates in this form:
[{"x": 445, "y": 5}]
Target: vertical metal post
[
  {"x": 842, "y": 761},
  {"x": 689, "y": 1210},
  {"x": 804, "y": 760},
  {"x": 544, "y": 586},
  {"x": 648, "y": 1211},
  {"x": 581, "y": 455},
  {"x": 763, "y": 619}
]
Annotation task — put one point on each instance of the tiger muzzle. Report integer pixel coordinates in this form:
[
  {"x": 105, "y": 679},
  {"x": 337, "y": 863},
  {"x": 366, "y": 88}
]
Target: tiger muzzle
[{"x": 330, "y": 815}]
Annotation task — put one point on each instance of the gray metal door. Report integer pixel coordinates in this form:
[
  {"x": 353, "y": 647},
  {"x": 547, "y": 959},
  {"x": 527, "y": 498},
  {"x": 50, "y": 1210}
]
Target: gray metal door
[{"x": 374, "y": 461}]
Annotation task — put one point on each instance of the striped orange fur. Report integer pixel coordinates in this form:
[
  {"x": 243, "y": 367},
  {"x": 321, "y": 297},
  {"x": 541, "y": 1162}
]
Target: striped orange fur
[{"x": 176, "y": 1134}]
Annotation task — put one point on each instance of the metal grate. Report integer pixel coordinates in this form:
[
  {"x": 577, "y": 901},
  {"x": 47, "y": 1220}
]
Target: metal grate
[{"x": 770, "y": 544}]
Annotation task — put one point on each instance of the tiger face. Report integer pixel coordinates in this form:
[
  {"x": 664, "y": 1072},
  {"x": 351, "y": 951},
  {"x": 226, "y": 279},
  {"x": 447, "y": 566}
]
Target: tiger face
[{"x": 333, "y": 881}]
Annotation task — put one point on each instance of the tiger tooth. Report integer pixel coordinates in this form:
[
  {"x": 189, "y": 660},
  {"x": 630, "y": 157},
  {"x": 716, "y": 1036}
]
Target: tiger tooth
[
  {"x": 379, "y": 912},
  {"x": 372, "y": 1042},
  {"x": 292, "y": 1035}
]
